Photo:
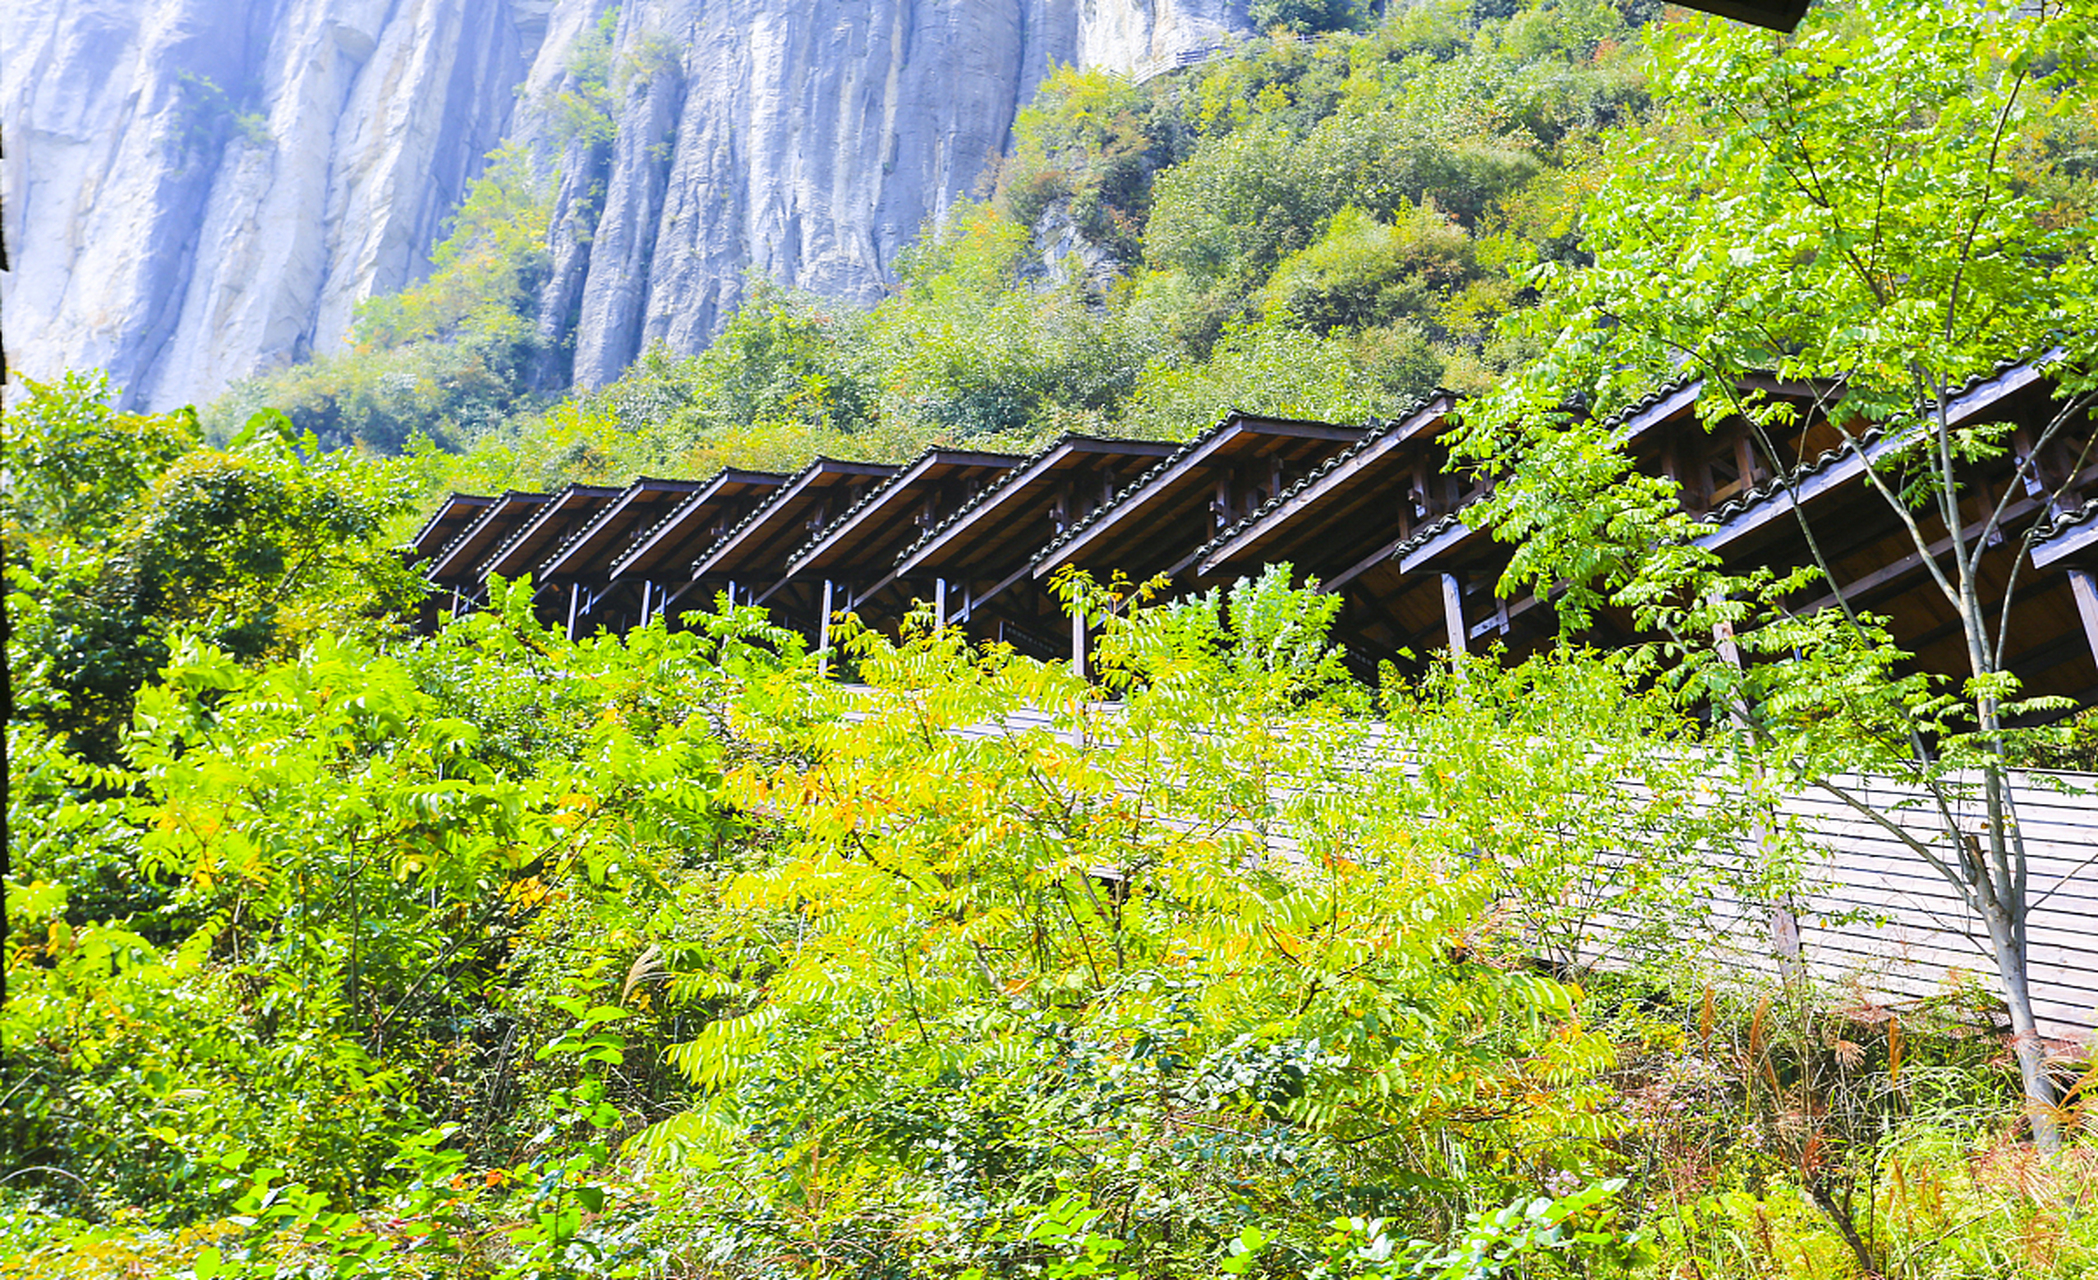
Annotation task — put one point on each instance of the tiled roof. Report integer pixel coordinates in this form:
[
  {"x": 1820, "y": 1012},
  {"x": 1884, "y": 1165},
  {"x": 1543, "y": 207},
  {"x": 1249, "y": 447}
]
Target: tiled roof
[
  {"x": 758, "y": 512},
  {"x": 1681, "y": 382},
  {"x": 1434, "y": 529},
  {"x": 546, "y": 511},
  {"x": 477, "y": 500},
  {"x": 993, "y": 490},
  {"x": 2061, "y": 522},
  {"x": 589, "y": 527},
  {"x": 752, "y": 516},
  {"x": 867, "y": 496},
  {"x": 1369, "y": 440},
  {"x": 1777, "y": 485},
  {"x": 989, "y": 491},
  {"x": 471, "y": 525},
  {"x": 1100, "y": 512},
  {"x": 676, "y": 509}
]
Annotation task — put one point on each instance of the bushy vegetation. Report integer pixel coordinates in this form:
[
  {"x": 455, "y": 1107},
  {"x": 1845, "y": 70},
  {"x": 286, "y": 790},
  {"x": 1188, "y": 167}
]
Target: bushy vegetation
[
  {"x": 124, "y": 533},
  {"x": 492, "y": 953},
  {"x": 334, "y": 950}
]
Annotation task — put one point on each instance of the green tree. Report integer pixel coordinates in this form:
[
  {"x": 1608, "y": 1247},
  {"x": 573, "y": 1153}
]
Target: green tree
[
  {"x": 1872, "y": 207},
  {"x": 1305, "y": 17},
  {"x": 76, "y": 466},
  {"x": 123, "y": 533}
]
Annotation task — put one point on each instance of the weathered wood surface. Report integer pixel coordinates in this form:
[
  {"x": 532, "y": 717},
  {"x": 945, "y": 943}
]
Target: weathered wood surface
[{"x": 1924, "y": 938}]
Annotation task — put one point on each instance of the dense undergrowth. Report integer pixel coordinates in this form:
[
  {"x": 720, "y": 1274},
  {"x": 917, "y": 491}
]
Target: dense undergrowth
[
  {"x": 492, "y": 953},
  {"x": 337, "y": 951}
]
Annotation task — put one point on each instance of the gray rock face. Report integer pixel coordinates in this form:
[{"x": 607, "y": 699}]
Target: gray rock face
[{"x": 198, "y": 190}]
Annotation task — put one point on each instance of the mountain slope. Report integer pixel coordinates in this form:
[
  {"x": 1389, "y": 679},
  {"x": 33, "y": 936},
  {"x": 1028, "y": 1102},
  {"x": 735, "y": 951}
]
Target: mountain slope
[{"x": 198, "y": 190}]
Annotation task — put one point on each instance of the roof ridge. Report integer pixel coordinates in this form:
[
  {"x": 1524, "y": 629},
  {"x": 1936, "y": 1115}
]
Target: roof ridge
[
  {"x": 547, "y": 508},
  {"x": 1012, "y": 474},
  {"x": 1143, "y": 477},
  {"x": 2060, "y": 521},
  {"x": 872, "y": 492},
  {"x": 1376, "y": 432},
  {"x": 458, "y": 538},
  {"x": 1757, "y": 495},
  {"x": 779, "y": 493}
]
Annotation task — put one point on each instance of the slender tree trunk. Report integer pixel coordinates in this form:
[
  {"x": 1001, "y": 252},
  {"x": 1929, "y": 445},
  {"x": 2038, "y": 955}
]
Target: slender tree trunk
[
  {"x": 1999, "y": 878},
  {"x": 2005, "y": 921}
]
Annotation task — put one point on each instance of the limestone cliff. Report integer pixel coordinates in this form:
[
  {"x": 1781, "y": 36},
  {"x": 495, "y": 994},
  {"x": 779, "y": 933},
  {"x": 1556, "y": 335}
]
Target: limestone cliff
[{"x": 196, "y": 190}]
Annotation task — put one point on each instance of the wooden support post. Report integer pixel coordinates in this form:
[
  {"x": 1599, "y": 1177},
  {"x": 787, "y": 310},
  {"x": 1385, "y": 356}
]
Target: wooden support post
[
  {"x": 732, "y": 591},
  {"x": 1730, "y": 653},
  {"x": 2083, "y": 584},
  {"x": 575, "y": 599},
  {"x": 823, "y": 631},
  {"x": 939, "y": 604},
  {"x": 645, "y": 586},
  {"x": 1453, "y": 611},
  {"x": 1078, "y": 639}
]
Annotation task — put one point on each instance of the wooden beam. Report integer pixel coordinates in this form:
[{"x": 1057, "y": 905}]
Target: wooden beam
[
  {"x": 1014, "y": 483},
  {"x": 676, "y": 528},
  {"x": 1442, "y": 544},
  {"x": 1251, "y": 533},
  {"x": 879, "y": 508},
  {"x": 1891, "y": 573},
  {"x": 1971, "y": 403},
  {"x": 985, "y": 598},
  {"x": 2085, "y": 587},
  {"x": 1360, "y": 567},
  {"x": 780, "y": 501}
]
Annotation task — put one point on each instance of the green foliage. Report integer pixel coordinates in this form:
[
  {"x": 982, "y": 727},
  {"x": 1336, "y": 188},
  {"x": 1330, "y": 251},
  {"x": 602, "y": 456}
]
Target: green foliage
[
  {"x": 500, "y": 955},
  {"x": 207, "y": 119},
  {"x": 584, "y": 103},
  {"x": 1364, "y": 272},
  {"x": 76, "y": 465},
  {"x": 1097, "y": 140},
  {"x": 967, "y": 353},
  {"x": 123, "y": 536},
  {"x": 333, "y": 951},
  {"x": 337, "y": 912},
  {"x": 1892, "y": 165},
  {"x": 1276, "y": 368},
  {"x": 484, "y": 272},
  {"x": 1305, "y": 17},
  {"x": 1000, "y": 965}
]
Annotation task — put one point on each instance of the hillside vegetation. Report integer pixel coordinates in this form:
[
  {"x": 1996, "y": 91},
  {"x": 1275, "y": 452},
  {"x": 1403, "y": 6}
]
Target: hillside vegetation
[
  {"x": 1325, "y": 224},
  {"x": 338, "y": 950}
]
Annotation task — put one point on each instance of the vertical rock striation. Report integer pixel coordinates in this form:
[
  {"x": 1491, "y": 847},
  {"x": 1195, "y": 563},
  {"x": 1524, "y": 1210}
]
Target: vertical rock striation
[{"x": 198, "y": 190}]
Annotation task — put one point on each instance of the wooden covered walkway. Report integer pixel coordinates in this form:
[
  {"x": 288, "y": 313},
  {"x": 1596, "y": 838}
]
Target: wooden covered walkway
[{"x": 1374, "y": 514}]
